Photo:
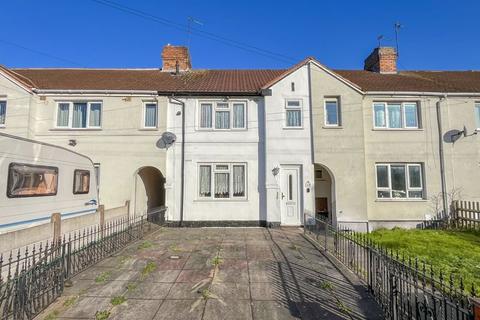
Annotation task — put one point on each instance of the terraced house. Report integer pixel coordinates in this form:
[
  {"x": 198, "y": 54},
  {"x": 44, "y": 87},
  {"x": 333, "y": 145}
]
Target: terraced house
[{"x": 368, "y": 148}]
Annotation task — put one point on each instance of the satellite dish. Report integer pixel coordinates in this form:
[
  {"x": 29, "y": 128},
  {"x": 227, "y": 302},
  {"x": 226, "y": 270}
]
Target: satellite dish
[
  {"x": 452, "y": 136},
  {"x": 167, "y": 140}
]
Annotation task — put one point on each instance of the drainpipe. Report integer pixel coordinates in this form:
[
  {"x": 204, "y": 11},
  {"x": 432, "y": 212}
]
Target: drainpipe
[
  {"x": 442, "y": 157},
  {"x": 182, "y": 180}
]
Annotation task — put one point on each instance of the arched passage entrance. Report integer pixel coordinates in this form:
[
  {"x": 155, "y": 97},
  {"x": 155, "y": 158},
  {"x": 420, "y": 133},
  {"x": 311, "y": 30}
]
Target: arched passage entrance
[
  {"x": 149, "y": 190},
  {"x": 324, "y": 193}
]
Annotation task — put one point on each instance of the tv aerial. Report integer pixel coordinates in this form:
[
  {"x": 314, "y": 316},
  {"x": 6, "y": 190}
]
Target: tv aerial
[{"x": 166, "y": 140}]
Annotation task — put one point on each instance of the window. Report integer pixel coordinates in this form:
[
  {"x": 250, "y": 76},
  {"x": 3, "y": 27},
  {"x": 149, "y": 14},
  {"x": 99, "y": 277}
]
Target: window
[
  {"x": 3, "y": 112},
  {"x": 81, "y": 181},
  {"x": 400, "y": 181},
  {"x": 293, "y": 113},
  {"x": 477, "y": 115},
  {"x": 332, "y": 113},
  {"x": 222, "y": 181},
  {"x": 318, "y": 174},
  {"x": 222, "y": 115},
  {"x": 396, "y": 115},
  {"x": 150, "y": 115},
  {"x": 79, "y": 115},
  {"x": 26, "y": 180}
]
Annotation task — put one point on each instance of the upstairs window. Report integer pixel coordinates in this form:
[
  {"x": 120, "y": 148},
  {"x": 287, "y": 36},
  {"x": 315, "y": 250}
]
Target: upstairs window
[
  {"x": 81, "y": 181},
  {"x": 293, "y": 113},
  {"x": 222, "y": 115},
  {"x": 150, "y": 115},
  {"x": 399, "y": 181},
  {"x": 79, "y": 115},
  {"x": 26, "y": 180},
  {"x": 477, "y": 115},
  {"x": 3, "y": 112},
  {"x": 332, "y": 113},
  {"x": 395, "y": 115}
]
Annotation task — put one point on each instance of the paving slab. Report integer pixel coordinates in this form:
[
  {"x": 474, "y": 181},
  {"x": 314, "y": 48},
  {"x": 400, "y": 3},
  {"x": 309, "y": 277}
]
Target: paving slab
[{"x": 216, "y": 273}]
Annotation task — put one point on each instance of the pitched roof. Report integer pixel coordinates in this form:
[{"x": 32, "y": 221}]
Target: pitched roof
[
  {"x": 195, "y": 81},
  {"x": 415, "y": 81},
  {"x": 236, "y": 81}
]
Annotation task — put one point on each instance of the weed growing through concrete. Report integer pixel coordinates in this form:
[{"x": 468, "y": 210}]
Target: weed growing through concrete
[
  {"x": 149, "y": 268},
  {"x": 131, "y": 286},
  {"x": 175, "y": 248},
  {"x": 118, "y": 300},
  {"x": 145, "y": 245},
  {"x": 206, "y": 294},
  {"x": 102, "y": 315},
  {"x": 70, "y": 301},
  {"x": 52, "y": 315},
  {"x": 104, "y": 276},
  {"x": 325, "y": 285},
  {"x": 217, "y": 261}
]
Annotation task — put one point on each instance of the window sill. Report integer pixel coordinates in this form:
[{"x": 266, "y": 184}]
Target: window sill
[
  {"x": 398, "y": 129},
  {"x": 400, "y": 200},
  {"x": 76, "y": 129},
  {"x": 332, "y": 127},
  {"x": 221, "y": 130},
  {"x": 148, "y": 129},
  {"x": 2, "y": 126},
  {"x": 293, "y": 128},
  {"x": 221, "y": 200}
]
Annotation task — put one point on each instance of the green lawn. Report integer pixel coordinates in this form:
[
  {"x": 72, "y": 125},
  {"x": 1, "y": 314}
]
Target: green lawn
[{"x": 448, "y": 251}]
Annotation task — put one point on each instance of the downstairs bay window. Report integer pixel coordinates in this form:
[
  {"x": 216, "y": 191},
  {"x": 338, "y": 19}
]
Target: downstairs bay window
[
  {"x": 223, "y": 181},
  {"x": 399, "y": 181}
]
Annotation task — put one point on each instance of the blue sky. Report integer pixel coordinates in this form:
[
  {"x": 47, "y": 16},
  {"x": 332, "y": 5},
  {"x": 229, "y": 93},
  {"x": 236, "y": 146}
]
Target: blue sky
[{"x": 436, "y": 35}]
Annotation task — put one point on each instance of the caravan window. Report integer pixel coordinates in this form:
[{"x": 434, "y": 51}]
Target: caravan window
[
  {"x": 81, "y": 182},
  {"x": 26, "y": 180}
]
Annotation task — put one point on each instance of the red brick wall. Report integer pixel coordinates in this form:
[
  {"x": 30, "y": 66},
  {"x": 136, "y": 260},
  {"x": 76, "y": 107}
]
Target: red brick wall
[
  {"x": 383, "y": 60},
  {"x": 173, "y": 54}
]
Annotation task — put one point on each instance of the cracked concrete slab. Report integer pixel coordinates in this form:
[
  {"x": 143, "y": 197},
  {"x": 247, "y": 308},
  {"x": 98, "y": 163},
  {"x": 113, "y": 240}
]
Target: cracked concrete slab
[{"x": 215, "y": 273}]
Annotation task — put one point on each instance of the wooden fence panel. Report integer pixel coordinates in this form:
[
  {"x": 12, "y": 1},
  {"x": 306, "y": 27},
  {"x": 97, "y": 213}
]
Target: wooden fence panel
[{"x": 466, "y": 214}]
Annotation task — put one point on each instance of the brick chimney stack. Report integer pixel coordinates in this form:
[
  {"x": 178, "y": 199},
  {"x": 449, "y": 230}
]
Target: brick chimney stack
[
  {"x": 175, "y": 59},
  {"x": 382, "y": 59}
]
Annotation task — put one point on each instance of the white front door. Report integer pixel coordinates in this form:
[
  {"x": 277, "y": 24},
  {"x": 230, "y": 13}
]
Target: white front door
[{"x": 290, "y": 195}]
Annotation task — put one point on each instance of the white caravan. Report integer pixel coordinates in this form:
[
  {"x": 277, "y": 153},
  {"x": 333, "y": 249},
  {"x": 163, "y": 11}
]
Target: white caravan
[{"x": 38, "y": 179}]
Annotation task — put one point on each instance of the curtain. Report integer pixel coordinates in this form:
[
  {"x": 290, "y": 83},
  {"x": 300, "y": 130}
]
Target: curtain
[
  {"x": 150, "y": 115},
  {"x": 206, "y": 116},
  {"x": 399, "y": 186},
  {"x": 394, "y": 116},
  {"x": 95, "y": 114},
  {"x": 477, "y": 115},
  {"x": 222, "y": 119},
  {"x": 79, "y": 115},
  {"x": 239, "y": 181},
  {"x": 379, "y": 110},
  {"x": 294, "y": 118},
  {"x": 411, "y": 115},
  {"x": 3, "y": 112},
  {"x": 222, "y": 185},
  {"x": 332, "y": 113},
  {"x": 205, "y": 181},
  {"x": 239, "y": 116},
  {"x": 63, "y": 114}
]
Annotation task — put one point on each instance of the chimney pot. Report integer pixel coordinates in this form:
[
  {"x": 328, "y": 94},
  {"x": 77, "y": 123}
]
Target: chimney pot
[
  {"x": 176, "y": 59},
  {"x": 382, "y": 60}
]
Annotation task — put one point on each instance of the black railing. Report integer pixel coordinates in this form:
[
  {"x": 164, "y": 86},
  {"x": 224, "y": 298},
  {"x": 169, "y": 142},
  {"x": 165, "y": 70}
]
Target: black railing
[
  {"x": 33, "y": 277},
  {"x": 404, "y": 287}
]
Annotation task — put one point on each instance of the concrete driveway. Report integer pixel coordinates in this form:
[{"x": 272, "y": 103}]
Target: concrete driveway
[{"x": 215, "y": 273}]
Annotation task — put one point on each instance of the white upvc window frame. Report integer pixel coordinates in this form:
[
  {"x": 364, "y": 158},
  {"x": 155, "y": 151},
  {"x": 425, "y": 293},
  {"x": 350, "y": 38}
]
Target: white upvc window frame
[
  {"x": 213, "y": 170},
  {"x": 407, "y": 181},
  {"x": 70, "y": 115},
  {"x": 215, "y": 107},
  {"x": 402, "y": 115},
  {"x": 3, "y": 125},
  {"x": 337, "y": 103},
  {"x": 287, "y": 108},
  {"x": 476, "y": 111},
  {"x": 144, "y": 113}
]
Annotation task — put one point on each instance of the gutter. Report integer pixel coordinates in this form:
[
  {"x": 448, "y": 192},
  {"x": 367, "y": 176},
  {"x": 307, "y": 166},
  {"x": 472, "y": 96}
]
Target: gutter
[
  {"x": 417, "y": 93},
  {"x": 182, "y": 180}
]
